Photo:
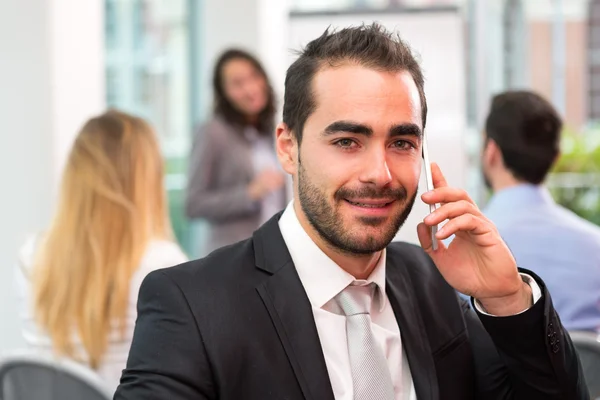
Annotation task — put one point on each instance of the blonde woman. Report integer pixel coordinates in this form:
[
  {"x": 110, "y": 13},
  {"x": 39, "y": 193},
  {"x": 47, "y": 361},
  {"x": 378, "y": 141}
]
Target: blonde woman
[{"x": 79, "y": 280}]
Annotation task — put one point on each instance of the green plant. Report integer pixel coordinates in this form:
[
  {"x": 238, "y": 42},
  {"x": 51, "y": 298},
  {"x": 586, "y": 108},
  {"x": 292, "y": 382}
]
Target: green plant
[
  {"x": 176, "y": 168},
  {"x": 575, "y": 178}
]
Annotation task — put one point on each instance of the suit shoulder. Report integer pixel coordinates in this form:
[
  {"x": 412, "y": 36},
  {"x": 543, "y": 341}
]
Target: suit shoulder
[{"x": 227, "y": 264}]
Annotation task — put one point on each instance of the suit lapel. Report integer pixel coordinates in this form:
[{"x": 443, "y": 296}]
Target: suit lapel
[
  {"x": 414, "y": 337},
  {"x": 291, "y": 312}
]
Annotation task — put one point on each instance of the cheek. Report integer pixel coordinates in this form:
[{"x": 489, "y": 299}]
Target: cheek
[
  {"x": 407, "y": 171},
  {"x": 324, "y": 173},
  {"x": 262, "y": 88},
  {"x": 236, "y": 96}
]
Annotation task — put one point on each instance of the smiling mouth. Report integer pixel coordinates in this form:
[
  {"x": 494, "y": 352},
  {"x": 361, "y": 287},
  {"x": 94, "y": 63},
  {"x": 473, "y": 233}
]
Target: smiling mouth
[{"x": 371, "y": 204}]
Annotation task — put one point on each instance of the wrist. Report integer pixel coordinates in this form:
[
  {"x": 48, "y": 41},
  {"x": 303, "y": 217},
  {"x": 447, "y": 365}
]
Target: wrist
[{"x": 512, "y": 304}]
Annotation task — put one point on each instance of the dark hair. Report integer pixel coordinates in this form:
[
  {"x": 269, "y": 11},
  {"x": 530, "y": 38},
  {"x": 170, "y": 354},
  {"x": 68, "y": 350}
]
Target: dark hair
[
  {"x": 527, "y": 129},
  {"x": 369, "y": 45},
  {"x": 226, "y": 109}
]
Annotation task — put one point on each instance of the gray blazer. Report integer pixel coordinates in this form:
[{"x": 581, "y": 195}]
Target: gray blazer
[{"x": 220, "y": 170}]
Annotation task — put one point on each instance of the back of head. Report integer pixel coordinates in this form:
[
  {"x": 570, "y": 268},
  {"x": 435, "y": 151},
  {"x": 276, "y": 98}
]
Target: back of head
[
  {"x": 371, "y": 46},
  {"x": 526, "y": 129},
  {"x": 112, "y": 203}
]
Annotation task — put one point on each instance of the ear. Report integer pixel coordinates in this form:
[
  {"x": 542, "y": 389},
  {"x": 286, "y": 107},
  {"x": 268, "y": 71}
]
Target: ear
[
  {"x": 287, "y": 148},
  {"x": 558, "y": 154},
  {"x": 492, "y": 155}
]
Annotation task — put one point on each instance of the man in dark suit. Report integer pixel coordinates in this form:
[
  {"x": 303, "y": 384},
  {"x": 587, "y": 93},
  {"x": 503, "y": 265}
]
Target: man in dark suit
[{"x": 318, "y": 304}]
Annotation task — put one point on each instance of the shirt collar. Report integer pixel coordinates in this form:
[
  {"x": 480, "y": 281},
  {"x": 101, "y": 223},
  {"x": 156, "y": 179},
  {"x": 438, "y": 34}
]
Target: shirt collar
[{"x": 321, "y": 277}]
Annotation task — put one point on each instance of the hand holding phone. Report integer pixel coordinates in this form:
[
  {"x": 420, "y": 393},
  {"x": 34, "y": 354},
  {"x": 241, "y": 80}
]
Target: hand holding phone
[{"x": 429, "y": 182}]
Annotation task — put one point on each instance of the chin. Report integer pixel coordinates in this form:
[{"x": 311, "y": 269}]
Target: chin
[
  {"x": 366, "y": 245},
  {"x": 373, "y": 235},
  {"x": 255, "y": 108}
]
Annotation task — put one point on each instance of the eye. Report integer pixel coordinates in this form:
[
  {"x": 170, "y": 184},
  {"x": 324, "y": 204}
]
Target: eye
[
  {"x": 345, "y": 143},
  {"x": 403, "y": 145}
]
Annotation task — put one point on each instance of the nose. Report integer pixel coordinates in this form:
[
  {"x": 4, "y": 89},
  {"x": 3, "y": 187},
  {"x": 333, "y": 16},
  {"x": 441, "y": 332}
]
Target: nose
[
  {"x": 252, "y": 87},
  {"x": 376, "y": 170}
]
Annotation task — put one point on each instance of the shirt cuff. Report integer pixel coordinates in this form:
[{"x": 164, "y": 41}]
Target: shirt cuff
[{"x": 535, "y": 291}]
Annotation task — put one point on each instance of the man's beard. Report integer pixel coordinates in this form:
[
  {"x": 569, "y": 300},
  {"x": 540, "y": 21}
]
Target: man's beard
[{"x": 329, "y": 223}]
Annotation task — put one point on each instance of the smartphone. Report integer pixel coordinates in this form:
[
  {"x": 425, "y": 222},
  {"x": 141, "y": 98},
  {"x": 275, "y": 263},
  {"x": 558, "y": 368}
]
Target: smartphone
[{"x": 429, "y": 182}]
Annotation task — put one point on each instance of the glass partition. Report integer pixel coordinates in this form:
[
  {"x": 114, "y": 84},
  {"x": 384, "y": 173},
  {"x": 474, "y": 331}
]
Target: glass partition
[{"x": 148, "y": 73}]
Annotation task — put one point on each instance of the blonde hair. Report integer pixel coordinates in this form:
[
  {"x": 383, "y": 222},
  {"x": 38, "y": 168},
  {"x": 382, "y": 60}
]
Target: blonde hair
[{"x": 112, "y": 203}]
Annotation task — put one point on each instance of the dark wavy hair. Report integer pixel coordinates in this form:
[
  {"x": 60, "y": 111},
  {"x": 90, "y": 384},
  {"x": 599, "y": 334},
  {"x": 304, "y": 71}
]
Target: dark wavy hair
[
  {"x": 226, "y": 108},
  {"x": 371, "y": 46}
]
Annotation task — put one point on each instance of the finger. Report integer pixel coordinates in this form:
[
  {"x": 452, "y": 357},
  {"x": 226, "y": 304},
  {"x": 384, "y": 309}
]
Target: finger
[
  {"x": 424, "y": 234},
  {"x": 451, "y": 210},
  {"x": 437, "y": 176},
  {"x": 446, "y": 194},
  {"x": 465, "y": 223}
]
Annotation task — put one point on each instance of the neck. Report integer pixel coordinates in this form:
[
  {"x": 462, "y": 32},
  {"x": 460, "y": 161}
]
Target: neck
[
  {"x": 252, "y": 120},
  {"x": 504, "y": 180},
  {"x": 360, "y": 266}
]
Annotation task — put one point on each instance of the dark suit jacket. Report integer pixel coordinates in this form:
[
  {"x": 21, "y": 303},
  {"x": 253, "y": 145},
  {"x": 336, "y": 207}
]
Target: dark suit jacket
[{"x": 239, "y": 325}]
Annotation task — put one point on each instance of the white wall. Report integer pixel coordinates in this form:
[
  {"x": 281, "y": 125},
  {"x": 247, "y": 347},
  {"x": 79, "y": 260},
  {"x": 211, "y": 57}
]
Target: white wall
[
  {"x": 273, "y": 45},
  {"x": 77, "y": 65},
  {"x": 24, "y": 141},
  {"x": 259, "y": 26},
  {"x": 225, "y": 23},
  {"x": 51, "y": 78}
]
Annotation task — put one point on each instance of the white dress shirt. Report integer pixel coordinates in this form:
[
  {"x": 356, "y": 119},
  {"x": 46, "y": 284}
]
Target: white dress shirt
[
  {"x": 323, "y": 279},
  {"x": 264, "y": 157}
]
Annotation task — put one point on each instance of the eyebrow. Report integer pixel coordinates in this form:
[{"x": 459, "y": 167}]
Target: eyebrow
[
  {"x": 348, "y": 127},
  {"x": 407, "y": 129}
]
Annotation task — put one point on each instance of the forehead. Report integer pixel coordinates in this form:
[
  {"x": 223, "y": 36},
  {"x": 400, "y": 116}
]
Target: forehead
[
  {"x": 366, "y": 95},
  {"x": 237, "y": 66}
]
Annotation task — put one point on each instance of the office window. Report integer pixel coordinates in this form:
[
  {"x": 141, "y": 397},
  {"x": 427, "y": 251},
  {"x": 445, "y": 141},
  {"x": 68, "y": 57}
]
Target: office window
[
  {"x": 594, "y": 60},
  {"x": 514, "y": 44},
  {"x": 350, "y": 5},
  {"x": 148, "y": 74}
]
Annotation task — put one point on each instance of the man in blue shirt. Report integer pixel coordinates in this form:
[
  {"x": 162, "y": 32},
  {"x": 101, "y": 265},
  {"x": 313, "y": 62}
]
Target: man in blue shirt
[{"x": 522, "y": 135}]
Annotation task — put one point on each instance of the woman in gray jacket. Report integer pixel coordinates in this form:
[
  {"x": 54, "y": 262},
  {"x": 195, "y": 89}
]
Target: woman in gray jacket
[{"x": 235, "y": 182}]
